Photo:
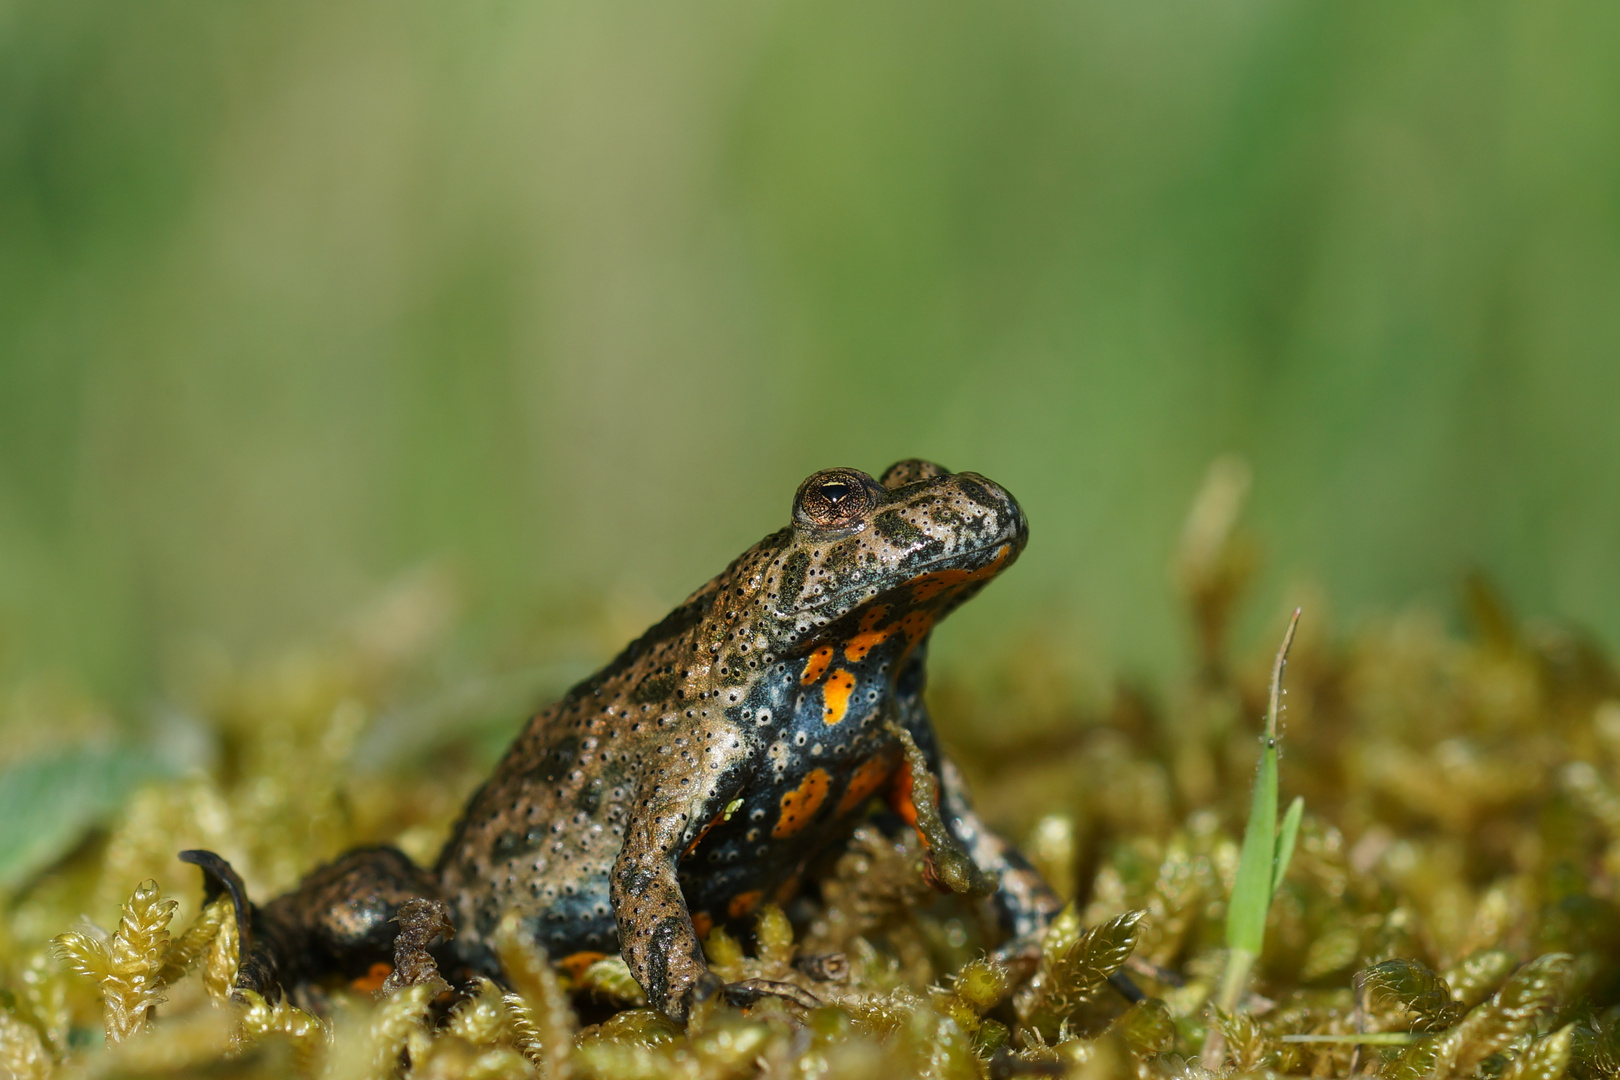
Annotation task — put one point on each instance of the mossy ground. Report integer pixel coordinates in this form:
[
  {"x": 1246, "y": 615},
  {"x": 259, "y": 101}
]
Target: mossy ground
[{"x": 1453, "y": 888}]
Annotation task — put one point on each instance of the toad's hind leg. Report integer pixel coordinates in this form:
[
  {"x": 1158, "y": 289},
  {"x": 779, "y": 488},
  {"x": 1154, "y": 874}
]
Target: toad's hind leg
[
  {"x": 262, "y": 948},
  {"x": 339, "y": 921},
  {"x": 1024, "y": 902}
]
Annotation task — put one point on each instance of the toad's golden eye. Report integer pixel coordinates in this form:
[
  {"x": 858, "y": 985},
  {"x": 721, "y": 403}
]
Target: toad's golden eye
[{"x": 835, "y": 499}]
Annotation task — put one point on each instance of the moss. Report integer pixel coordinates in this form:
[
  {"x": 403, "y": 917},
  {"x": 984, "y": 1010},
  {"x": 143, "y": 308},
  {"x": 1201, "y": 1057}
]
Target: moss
[{"x": 1453, "y": 890}]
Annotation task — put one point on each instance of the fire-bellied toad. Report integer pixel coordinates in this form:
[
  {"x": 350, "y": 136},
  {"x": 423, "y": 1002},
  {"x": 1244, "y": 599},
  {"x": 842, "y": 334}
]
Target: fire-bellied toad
[{"x": 696, "y": 775}]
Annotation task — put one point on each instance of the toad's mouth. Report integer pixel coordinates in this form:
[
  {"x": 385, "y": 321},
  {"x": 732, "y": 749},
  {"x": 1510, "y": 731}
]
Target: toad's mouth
[
  {"x": 997, "y": 558},
  {"x": 926, "y": 581}
]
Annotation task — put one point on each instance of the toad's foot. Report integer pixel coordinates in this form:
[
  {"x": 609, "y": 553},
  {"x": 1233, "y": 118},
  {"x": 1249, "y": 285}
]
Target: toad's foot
[{"x": 748, "y": 991}]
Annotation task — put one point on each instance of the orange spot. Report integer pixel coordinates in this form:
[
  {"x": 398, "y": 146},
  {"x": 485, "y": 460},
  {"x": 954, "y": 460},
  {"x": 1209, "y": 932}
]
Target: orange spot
[
  {"x": 702, "y": 922},
  {"x": 869, "y": 634},
  {"x": 900, "y": 800},
  {"x": 868, "y": 776},
  {"x": 925, "y": 587},
  {"x": 817, "y": 664},
  {"x": 835, "y": 695},
  {"x": 787, "y": 890},
  {"x": 858, "y": 646},
  {"x": 698, "y": 839},
  {"x": 576, "y": 963},
  {"x": 917, "y": 624},
  {"x": 372, "y": 981},
  {"x": 801, "y": 804},
  {"x": 743, "y": 903}
]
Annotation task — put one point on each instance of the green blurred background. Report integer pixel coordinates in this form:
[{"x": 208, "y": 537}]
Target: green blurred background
[{"x": 566, "y": 299}]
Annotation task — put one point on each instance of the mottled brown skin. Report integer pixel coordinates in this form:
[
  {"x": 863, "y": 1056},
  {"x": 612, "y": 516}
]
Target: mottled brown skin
[{"x": 697, "y": 775}]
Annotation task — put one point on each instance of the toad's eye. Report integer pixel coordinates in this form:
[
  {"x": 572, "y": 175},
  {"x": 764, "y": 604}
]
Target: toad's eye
[{"x": 835, "y": 499}]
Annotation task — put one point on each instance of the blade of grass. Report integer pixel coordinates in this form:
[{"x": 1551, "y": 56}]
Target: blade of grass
[
  {"x": 1262, "y": 861},
  {"x": 1251, "y": 892},
  {"x": 1286, "y": 835},
  {"x": 1370, "y": 1038}
]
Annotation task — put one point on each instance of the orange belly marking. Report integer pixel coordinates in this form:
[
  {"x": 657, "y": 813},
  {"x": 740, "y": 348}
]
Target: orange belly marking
[
  {"x": 801, "y": 804},
  {"x": 743, "y": 903},
  {"x": 858, "y": 646},
  {"x": 787, "y": 890},
  {"x": 925, "y": 587},
  {"x": 817, "y": 664},
  {"x": 577, "y": 963},
  {"x": 916, "y": 625},
  {"x": 702, "y": 922},
  {"x": 835, "y": 695},
  {"x": 900, "y": 799},
  {"x": 869, "y": 635},
  {"x": 864, "y": 782},
  {"x": 372, "y": 981}
]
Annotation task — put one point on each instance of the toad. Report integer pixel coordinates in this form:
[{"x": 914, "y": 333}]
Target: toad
[{"x": 697, "y": 775}]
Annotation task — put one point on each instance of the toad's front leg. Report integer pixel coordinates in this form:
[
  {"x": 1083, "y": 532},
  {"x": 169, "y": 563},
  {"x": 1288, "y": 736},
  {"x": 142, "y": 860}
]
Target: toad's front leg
[
  {"x": 656, "y": 934},
  {"x": 676, "y": 800},
  {"x": 676, "y": 803}
]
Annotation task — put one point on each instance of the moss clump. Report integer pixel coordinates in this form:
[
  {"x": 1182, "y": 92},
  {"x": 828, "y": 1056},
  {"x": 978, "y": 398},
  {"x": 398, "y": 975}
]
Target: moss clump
[{"x": 1450, "y": 910}]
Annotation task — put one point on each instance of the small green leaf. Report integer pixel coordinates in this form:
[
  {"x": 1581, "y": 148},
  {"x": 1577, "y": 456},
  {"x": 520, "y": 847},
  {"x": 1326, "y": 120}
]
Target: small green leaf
[
  {"x": 49, "y": 802},
  {"x": 1251, "y": 891},
  {"x": 1257, "y": 872},
  {"x": 1370, "y": 1038},
  {"x": 1285, "y": 841}
]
